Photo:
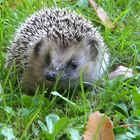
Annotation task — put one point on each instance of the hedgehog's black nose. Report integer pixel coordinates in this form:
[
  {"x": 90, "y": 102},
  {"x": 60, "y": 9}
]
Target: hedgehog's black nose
[{"x": 51, "y": 76}]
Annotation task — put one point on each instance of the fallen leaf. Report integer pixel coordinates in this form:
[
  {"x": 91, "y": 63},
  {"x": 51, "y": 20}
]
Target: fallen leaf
[
  {"x": 99, "y": 127},
  {"x": 127, "y": 72},
  {"x": 102, "y": 15}
]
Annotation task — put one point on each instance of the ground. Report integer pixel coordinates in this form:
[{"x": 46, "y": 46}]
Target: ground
[{"x": 37, "y": 117}]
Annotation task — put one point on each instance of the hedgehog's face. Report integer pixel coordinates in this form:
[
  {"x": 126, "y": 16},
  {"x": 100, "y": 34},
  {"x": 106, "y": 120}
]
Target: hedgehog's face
[{"x": 53, "y": 62}]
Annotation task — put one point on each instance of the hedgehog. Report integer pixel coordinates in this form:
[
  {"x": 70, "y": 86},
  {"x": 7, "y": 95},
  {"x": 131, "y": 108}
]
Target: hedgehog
[{"x": 57, "y": 44}]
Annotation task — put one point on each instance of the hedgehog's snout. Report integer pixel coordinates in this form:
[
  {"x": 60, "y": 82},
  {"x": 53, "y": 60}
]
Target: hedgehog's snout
[
  {"x": 51, "y": 75},
  {"x": 60, "y": 75}
]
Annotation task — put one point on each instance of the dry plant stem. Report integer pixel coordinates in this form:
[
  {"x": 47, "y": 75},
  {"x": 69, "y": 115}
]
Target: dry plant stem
[{"x": 102, "y": 15}]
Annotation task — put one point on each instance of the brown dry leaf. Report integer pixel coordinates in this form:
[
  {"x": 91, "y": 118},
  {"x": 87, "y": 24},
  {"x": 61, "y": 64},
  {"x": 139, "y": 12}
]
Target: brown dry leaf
[
  {"x": 102, "y": 15},
  {"x": 99, "y": 127},
  {"x": 127, "y": 72}
]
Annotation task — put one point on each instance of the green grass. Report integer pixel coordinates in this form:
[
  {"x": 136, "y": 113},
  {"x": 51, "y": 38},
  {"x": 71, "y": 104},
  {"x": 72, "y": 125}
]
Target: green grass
[{"x": 26, "y": 117}]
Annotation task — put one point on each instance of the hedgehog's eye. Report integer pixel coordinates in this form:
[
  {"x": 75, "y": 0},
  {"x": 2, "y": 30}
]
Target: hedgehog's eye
[
  {"x": 48, "y": 59},
  {"x": 73, "y": 64}
]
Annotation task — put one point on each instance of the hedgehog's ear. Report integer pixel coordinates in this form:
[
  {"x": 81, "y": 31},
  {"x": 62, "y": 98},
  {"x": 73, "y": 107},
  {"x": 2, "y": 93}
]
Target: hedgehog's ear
[
  {"x": 93, "y": 46},
  {"x": 37, "y": 47}
]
